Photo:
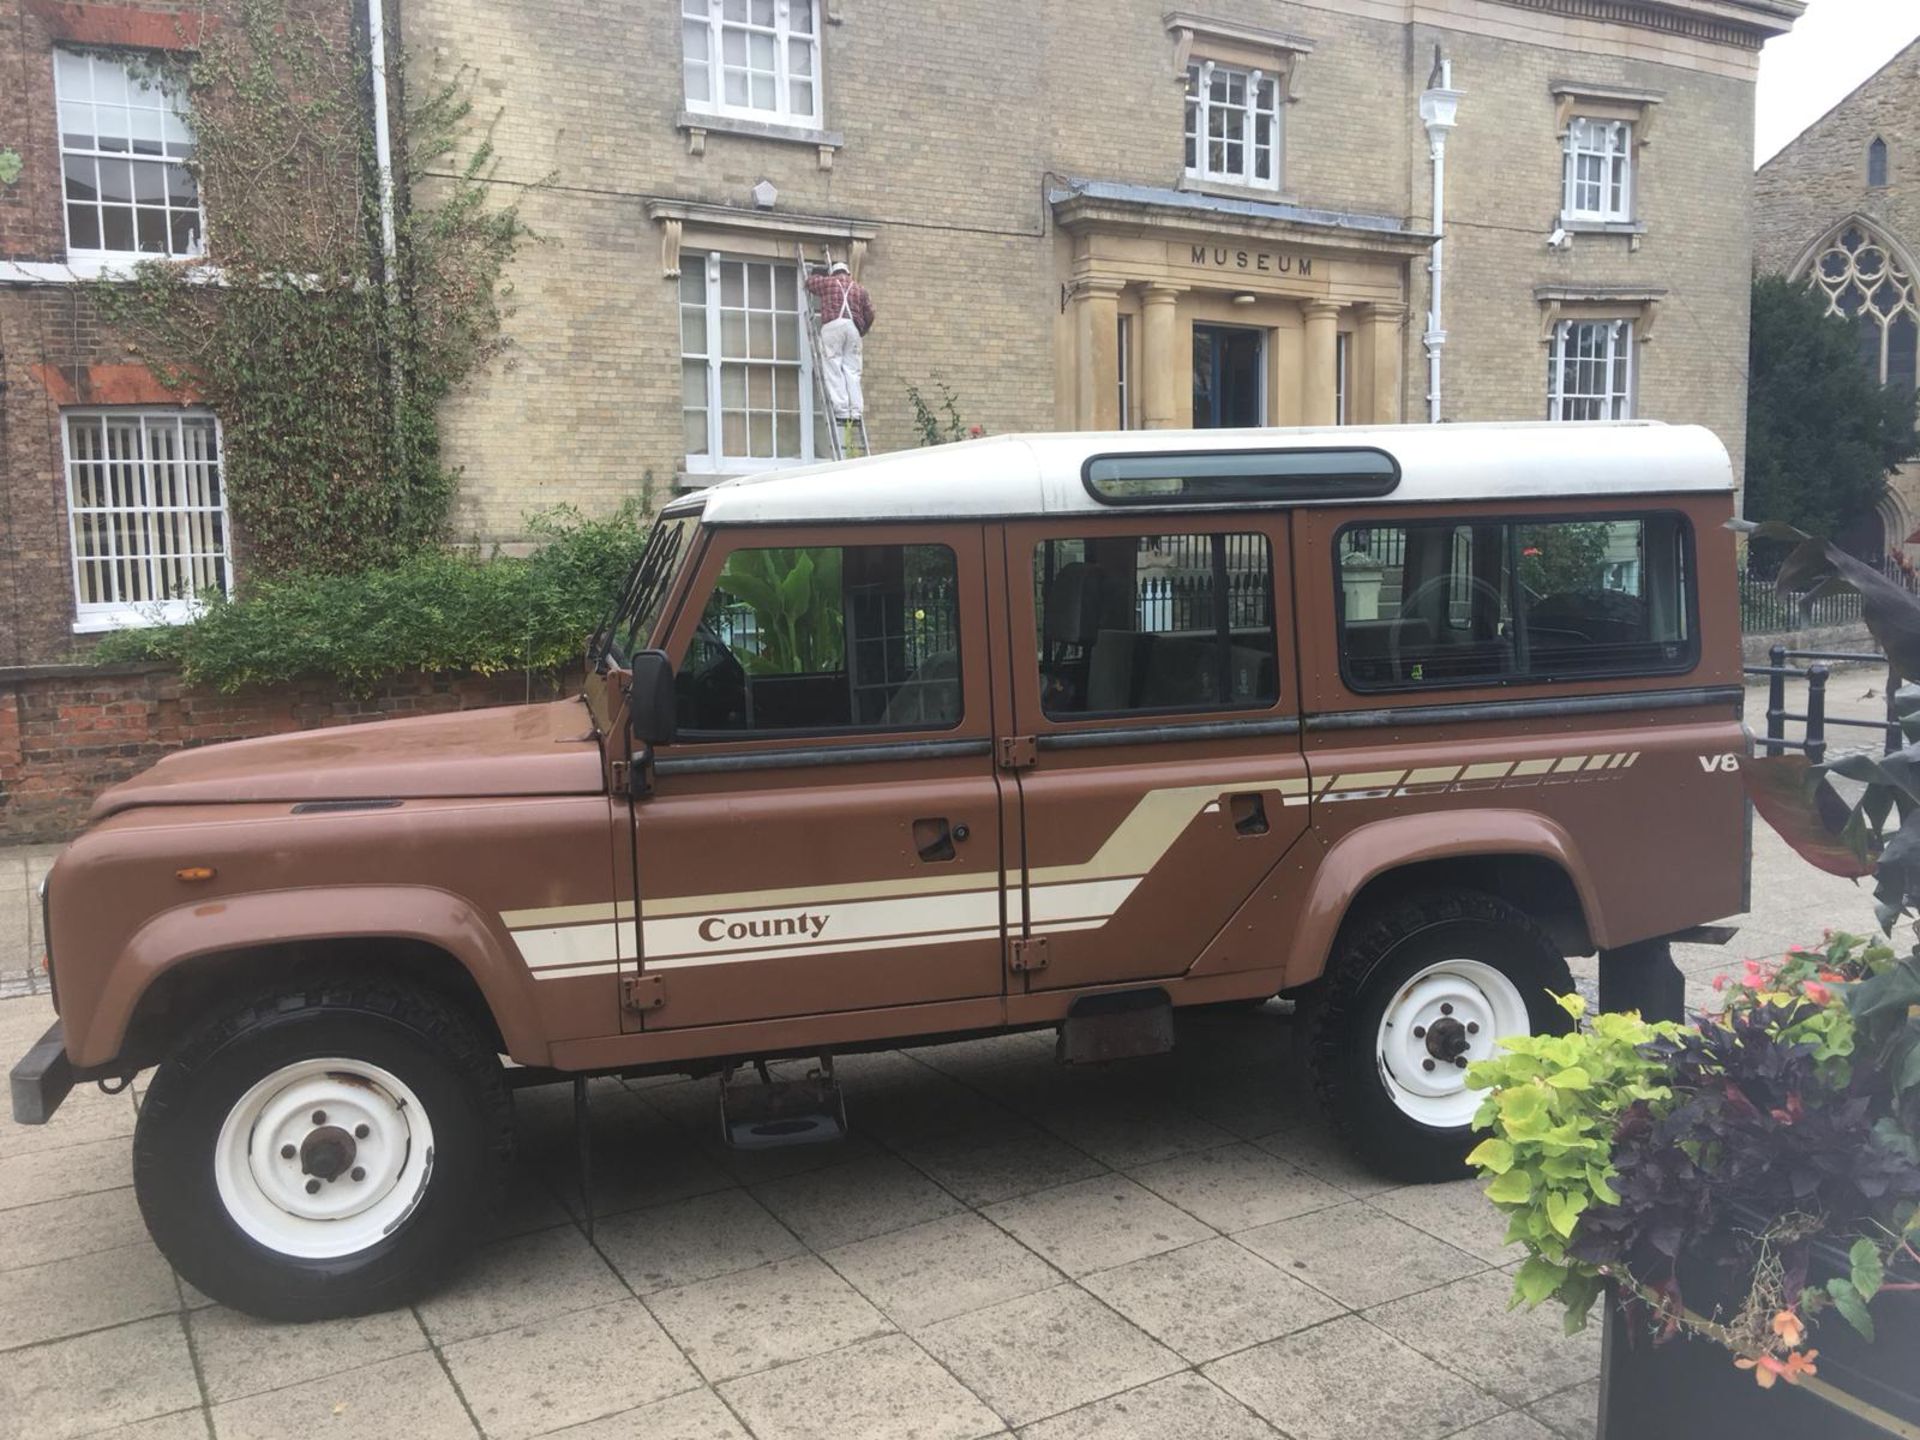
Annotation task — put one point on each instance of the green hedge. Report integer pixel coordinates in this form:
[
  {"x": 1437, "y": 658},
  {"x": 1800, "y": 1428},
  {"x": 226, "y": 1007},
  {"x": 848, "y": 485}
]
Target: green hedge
[{"x": 435, "y": 611}]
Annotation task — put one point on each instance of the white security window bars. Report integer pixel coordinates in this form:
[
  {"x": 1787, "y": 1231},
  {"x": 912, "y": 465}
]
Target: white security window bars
[
  {"x": 1860, "y": 278},
  {"x": 148, "y": 516},
  {"x": 124, "y": 148},
  {"x": 1233, "y": 125},
  {"x": 759, "y": 59},
  {"x": 1599, "y": 170},
  {"x": 1590, "y": 371},
  {"x": 1124, "y": 371},
  {"x": 746, "y": 375}
]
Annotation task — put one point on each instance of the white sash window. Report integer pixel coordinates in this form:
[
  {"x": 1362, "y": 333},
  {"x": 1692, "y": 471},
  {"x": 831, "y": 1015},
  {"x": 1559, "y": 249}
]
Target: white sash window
[
  {"x": 1233, "y": 125},
  {"x": 124, "y": 144},
  {"x": 756, "y": 59},
  {"x": 1598, "y": 171},
  {"x": 1590, "y": 371},
  {"x": 745, "y": 367}
]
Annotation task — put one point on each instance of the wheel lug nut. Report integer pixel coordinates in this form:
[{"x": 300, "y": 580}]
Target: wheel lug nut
[
  {"x": 1419, "y": 1032},
  {"x": 1473, "y": 1027},
  {"x": 313, "y": 1187},
  {"x": 1461, "y": 1062},
  {"x": 319, "y": 1117},
  {"x": 357, "y": 1173},
  {"x": 1446, "y": 1009},
  {"x": 1426, "y": 1064},
  {"x": 360, "y": 1132},
  {"x": 287, "y": 1152}
]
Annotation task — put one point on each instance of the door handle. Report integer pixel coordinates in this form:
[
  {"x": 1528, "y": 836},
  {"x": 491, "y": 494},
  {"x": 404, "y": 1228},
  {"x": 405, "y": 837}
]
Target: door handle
[
  {"x": 1249, "y": 813},
  {"x": 934, "y": 838}
]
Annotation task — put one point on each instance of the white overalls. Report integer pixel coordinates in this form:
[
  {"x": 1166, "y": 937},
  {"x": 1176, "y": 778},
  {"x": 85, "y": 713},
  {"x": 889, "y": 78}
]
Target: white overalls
[{"x": 840, "y": 353}]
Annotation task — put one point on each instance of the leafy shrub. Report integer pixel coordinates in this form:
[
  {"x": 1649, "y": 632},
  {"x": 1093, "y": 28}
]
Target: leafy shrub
[
  {"x": 939, "y": 422},
  {"x": 437, "y": 610}
]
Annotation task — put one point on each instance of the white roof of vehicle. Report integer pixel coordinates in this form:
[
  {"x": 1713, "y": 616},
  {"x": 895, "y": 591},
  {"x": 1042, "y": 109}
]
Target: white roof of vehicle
[{"x": 1009, "y": 475}]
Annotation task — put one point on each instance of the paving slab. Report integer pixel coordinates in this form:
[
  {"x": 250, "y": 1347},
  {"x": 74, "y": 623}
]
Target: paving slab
[
  {"x": 84, "y": 1292},
  {"x": 1514, "y": 1425},
  {"x": 570, "y": 1369},
  {"x": 941, "y": 1268},
  {"x": 1347, "y": 1380},
  {"x": 60, "y": 1174},
  {"x": 1001, "y": 1161},
  {"x": 405, "y": 1399},
  {"x": 1181, "y": 1407},
  {"x": 1046, "y": 1353},
  {"x": 1237, "y": 1187},
  {"x": 241, "y": 1356},
  {"x": 757, "y": 1319},
  {"x": 694, "y": 1415},
  {"x": 1519, "y": 1355},
  {"x": 1458, "y": 1213},
  {"x": 840, "y": 1204},
  {"x": 181, "y": 1425},
  {"x": 1359, "y": 1255},
  {"x": 79, "y": 1225},
  {"x": 1096, "y": 1224},
  {"x": 884, "y": 1389},
  {"x": 519, "y": 1281},
  {"x": 1573, "y": 1414},
  {"x": 1209, "y": 1299},
  {"x": 95, "y": 1382},
  {"x": 693, "y": 1240}
]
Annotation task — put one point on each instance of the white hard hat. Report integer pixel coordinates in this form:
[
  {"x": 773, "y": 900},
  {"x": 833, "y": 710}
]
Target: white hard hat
[{"x": 839, "y": 267}]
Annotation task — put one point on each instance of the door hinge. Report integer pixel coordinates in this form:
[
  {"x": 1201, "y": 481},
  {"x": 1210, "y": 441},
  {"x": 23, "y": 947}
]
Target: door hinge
[
  {"x": 1017, "y": 752},
  {"x": 618, "y": 776},
  {"x": 643, "y": 992},
  {"x": 1027, "y": 954}
]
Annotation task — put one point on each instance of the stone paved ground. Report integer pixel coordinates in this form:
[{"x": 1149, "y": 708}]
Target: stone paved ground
[{"x": 1172, "y": 1249}]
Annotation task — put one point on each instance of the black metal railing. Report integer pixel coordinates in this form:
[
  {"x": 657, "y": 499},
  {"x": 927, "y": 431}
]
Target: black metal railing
[{"x": 1813, "y": 741}]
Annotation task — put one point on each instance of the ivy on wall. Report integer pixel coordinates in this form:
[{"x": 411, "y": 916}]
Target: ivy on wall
[{"x": 325, "y": 357}]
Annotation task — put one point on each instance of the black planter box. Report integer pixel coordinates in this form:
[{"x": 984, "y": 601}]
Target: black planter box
[{"x": 1690, "y": 1387}]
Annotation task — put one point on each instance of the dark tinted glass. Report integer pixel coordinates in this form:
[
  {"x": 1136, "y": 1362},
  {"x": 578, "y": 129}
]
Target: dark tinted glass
[
  {"x": 1213, "y": 477},
  {"x": 1439, "y": 603},
  {"x": 1131, "y": 623},
  {"x": 824, "y": 638}
]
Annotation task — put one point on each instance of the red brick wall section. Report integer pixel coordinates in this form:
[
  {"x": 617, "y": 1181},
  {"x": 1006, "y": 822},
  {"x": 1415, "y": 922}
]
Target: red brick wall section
[{"x": 67, "y": 732}]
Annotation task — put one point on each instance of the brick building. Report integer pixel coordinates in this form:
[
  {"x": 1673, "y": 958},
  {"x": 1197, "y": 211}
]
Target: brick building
[
  {"x": 1076, "y": 214},
  {"x": 1839, "y": 208}
]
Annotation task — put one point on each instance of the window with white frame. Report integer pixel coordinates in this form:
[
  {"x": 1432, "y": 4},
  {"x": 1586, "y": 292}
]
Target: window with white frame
[
  {"x": 124, "y": 147},
  {"x": 757, "y": 59},
  {"x": 1599, "y": 170},
  {"x": 148, "y": 515},
  {"x": 1233, "y": 125},
  {"x": 1590, "y": 371},
  {"x": 746, "y": 375}
]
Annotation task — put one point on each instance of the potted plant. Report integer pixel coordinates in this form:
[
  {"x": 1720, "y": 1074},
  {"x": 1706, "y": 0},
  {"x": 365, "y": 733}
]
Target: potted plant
[{"x": 1747, "y": 1189}]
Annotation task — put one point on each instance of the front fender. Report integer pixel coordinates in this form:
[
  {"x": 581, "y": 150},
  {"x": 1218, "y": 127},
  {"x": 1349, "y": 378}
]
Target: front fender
[
  {"x": 396, "y": 912},
  {"x": 1311, "y": 890}
]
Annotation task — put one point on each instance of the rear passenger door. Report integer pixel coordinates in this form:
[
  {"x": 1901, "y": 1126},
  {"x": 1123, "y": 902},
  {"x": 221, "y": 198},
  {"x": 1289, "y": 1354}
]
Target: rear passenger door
[{"x": 1156, "y": 736}]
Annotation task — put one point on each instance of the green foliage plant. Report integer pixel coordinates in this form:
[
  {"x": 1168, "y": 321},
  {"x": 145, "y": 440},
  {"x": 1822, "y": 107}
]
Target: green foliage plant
[
  {"x": 798, "y": 610},
  {"x": 938, "y": 422},
  {"x": 437, "y": 610},
  {"x": 1562, "y": 559},
  {"x": 325, "y": 357}
]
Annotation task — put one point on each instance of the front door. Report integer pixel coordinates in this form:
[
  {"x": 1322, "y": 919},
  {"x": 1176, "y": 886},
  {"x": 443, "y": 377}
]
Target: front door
[
  {"x": 1154, "y": 669},
  {"x": 825, "y": 829},
  {"x": 1229, "y": 387}
]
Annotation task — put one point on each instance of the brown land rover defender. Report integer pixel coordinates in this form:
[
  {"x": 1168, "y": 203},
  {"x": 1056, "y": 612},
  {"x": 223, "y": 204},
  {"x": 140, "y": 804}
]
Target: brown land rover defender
[{"x": 1054, "y": 731}]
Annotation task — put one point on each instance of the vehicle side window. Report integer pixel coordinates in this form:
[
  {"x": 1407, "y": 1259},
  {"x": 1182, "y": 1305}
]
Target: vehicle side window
[
  {"x": 1446, "y": 602},
  {"x": 825, "y": 638},
  {"x": 1138, "y": 623}
]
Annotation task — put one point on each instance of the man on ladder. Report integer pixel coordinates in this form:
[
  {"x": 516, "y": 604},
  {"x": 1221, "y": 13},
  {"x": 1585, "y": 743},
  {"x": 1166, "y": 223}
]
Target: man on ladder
[{"x": 846, "y": 314}]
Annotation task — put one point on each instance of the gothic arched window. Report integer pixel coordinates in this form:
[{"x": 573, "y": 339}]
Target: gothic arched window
[
  {"x": 1877, "y": 164},
  {"x": 1860, "y": 278}
]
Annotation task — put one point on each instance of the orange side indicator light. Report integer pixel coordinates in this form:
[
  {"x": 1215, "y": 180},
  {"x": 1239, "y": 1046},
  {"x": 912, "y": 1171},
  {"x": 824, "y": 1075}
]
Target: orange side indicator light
[{"x": 194, "y": 873}]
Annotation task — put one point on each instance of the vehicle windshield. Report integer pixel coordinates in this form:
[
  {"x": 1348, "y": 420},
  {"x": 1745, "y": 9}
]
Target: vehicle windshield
[{"x": 630, "y": 624}]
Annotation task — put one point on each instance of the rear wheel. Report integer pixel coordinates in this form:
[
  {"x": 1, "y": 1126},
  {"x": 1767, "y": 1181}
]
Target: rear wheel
[
  {"x": 323, "y": 1152},
  {"x": 1413, "y": 997}
]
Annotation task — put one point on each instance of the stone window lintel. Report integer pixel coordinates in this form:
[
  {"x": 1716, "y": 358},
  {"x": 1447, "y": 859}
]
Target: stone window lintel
[
  {"x": 702, "y": 226},
  {"x": 698, "y": 124},
  {"x": 1639, "y": 304},
  {"x": 1604, "y": 102},
  {"x": 1279, "y": 53}
]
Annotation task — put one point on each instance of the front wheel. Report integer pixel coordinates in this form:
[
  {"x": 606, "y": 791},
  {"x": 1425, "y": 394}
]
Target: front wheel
[
  {"x": 1413, "y": 997},
  {"x": 323, "y": 1152}
]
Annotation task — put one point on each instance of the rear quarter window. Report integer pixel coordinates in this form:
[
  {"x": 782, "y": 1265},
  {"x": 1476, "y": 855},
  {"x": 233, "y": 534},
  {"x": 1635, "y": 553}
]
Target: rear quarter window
[{"x": 1462, "y": 602}]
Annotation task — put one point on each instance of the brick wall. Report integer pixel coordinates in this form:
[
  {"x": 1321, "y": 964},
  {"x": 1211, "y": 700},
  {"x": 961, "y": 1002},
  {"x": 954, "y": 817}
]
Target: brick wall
[{"x": 67, "y": 732}]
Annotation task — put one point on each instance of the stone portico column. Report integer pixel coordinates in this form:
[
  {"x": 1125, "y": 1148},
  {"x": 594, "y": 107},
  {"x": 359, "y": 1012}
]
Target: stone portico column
[
  {"x": 1161, "y": 364},
  {"x": 1318, "y": 392},
  {"x": 1383, "y": 326},
  {"x": 1097, "y": 342}
]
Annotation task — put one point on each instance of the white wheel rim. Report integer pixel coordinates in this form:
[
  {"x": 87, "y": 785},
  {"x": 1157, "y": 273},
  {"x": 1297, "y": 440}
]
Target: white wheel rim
[
  {"x": 323, "y": 1158},
  {"x": 1440, "y": 1021}
]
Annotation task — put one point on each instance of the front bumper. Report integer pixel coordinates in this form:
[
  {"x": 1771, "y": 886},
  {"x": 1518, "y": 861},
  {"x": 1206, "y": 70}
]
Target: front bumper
[{"x": 41, "y": 1078}]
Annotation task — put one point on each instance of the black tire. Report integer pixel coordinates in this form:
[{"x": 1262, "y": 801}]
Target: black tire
[
  {"x": 1374, "y": 958},
  {"x": 420, "y": 1040}
]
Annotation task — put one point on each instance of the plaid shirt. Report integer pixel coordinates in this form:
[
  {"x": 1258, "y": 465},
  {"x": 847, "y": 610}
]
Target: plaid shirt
[{"x": 842, "y": 292}]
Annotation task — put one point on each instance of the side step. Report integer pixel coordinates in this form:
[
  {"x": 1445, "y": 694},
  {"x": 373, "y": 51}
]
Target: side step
[
  {"x": 1116, "y": 1026},
  {"x": 765, "y": 1113}
]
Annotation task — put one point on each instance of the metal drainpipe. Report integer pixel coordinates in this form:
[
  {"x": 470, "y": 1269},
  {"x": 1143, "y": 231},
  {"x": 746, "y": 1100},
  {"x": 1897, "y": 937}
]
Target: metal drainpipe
[
  {"x": 382, "y": 129},
  {"x": 1439, "y": 107}
]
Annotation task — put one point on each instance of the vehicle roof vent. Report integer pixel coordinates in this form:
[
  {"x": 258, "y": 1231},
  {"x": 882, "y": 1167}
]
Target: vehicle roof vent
[{"x": 1227, "y": 477}]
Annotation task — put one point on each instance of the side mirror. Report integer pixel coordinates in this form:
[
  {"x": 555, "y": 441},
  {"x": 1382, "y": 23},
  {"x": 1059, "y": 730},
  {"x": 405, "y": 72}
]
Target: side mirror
[{"x": 650, "y": 699}]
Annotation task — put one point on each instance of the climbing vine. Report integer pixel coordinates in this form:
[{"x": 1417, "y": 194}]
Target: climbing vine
[{"x": 324, "y": 350}]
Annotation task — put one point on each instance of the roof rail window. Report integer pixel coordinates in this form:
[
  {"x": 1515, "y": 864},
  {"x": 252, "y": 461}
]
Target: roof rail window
[{"x": 1214, "y": 477}]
